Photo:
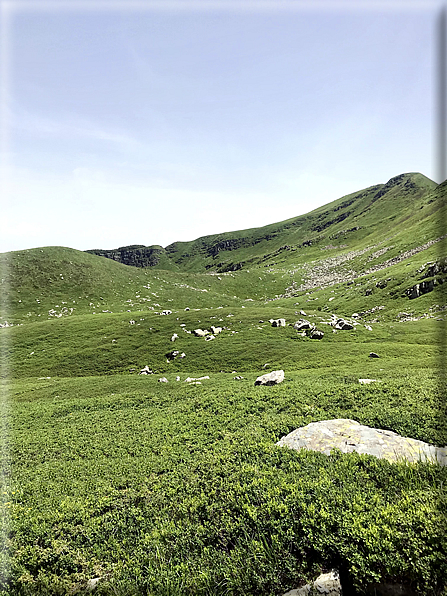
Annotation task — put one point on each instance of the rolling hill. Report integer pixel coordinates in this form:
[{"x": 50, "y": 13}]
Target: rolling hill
[{"x": 171, "y": 483}]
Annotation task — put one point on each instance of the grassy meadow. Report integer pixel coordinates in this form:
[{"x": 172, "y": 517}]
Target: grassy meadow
[{"x": 175, "y": 489}]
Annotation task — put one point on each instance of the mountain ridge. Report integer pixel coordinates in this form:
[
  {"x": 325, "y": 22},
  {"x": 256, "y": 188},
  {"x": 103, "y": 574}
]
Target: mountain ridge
[{"x": 218, "y": 251}]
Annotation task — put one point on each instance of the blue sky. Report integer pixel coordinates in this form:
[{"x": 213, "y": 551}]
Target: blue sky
[{"x": 145, "y": 125}]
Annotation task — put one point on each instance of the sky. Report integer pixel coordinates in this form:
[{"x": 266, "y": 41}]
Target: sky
[{"x": 150, "y": 123}]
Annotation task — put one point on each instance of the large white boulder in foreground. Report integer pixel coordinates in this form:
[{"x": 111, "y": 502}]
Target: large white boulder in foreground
[
  {"x": 348, "y": 436},
  {"x": 273, "y": 378}
]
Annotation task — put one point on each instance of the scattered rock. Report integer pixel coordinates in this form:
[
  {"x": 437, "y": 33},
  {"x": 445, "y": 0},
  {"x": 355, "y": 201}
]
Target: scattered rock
[
  {"x": 187, "y": 308},
  {"x": 367, "y": 381},
  {"x": 278, "y": 322},
  {"x": 177, "y": 378},
  {"x": 92, "y": 583},
  {"x": 209, "y": 337},
  {"x": 191, "y": 379},
  {"x": 166, "y": 312},
  {"x": 216, "y": 330},
  {"x": 348, "y": 436},
  {"x": 172, "y": 355},
  {"x": 146, "y": 371},
  {"x": 344, "y": 325},
  {"x": 238, "y": 378},
  {"x": 326, "y": 583},
  {"x": 273, "y": 378},
  {"x": 163, "y": 380},
  {"x": 174, "y": 337},
  {"x": 302, "y": 324},
  {"x": 368, "y": 327},
  {"x": 316, "y": 334},
  {"x": 373, "y": 355},
  {"x": 132, "y": 322},
  {"x": 200, "y": 332}
]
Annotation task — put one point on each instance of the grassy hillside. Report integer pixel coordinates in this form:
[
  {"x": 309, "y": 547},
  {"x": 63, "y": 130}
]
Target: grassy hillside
[
  {"x": 172, "y": 488},
  {"x": 371, "y": 213}
]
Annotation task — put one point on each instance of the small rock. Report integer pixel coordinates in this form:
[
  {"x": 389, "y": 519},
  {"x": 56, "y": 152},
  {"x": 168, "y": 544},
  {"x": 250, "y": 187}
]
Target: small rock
[
  {"x": 273, "y": 378},
  {"x": 302, "y": 324},
  {"x": 200, "y": 332},
  {"x": 344, "y": 325},
  {"x": 238, "y": 378},
  {"x": 174, "y": 337},
  {"x": 209, "y": 337},
  {"x": 316, "y": 334},
  {"x": 163, "y": 380},
  {"x": 278, "y": 322},
  {"x": 172, "y": 355},
  {"x": 216, "y": 330},
  {"x": 146, "y": 371},
  {"x": 177, "y": 378},
  {"x": 191, "y": 379},
  {"x": 92, "y": 583},
  {"x": 373, "y": 355},
  {"x": 326, "y": 583},
  {"x": 367, "y": 381}
]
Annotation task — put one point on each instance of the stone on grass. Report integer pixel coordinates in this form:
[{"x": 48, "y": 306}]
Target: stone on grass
[
  {"x": 326, "y": 583},
  {"x": 273, "y": 378},
  {"x": 200, "y": 332},
  {"x": 209, "y": 337},
  {"x": 278, "y": 322},
  {"x": 92, "y": 583},
  {"x": 216, "y": 330},
  {"x": 163, "y": 380},
  {"x": 348, "y": 436},
  {"x": 302, "y": 324},
  {"x": 373, "y": 355},
  {"x": 174, "y": 337},
  {"x": 146, "y": 371},
  {"x": 316, "y": 334},
  {"x": 172, "y": 355},
  {"x": 344, "y": 325},
  {"x": 367, "y": 381}
]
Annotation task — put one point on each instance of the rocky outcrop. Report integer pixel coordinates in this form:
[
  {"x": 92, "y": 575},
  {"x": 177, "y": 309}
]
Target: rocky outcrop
[
  {"x": 348, "y": 436},
  {"x": 423, "y": 287},
  {"x": 136, "y": 255},
  {"x": 273, "y": 378}
]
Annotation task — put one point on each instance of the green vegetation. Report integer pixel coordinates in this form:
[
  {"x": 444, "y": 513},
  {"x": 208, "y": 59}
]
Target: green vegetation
[{"x": 178, "y": 489}]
